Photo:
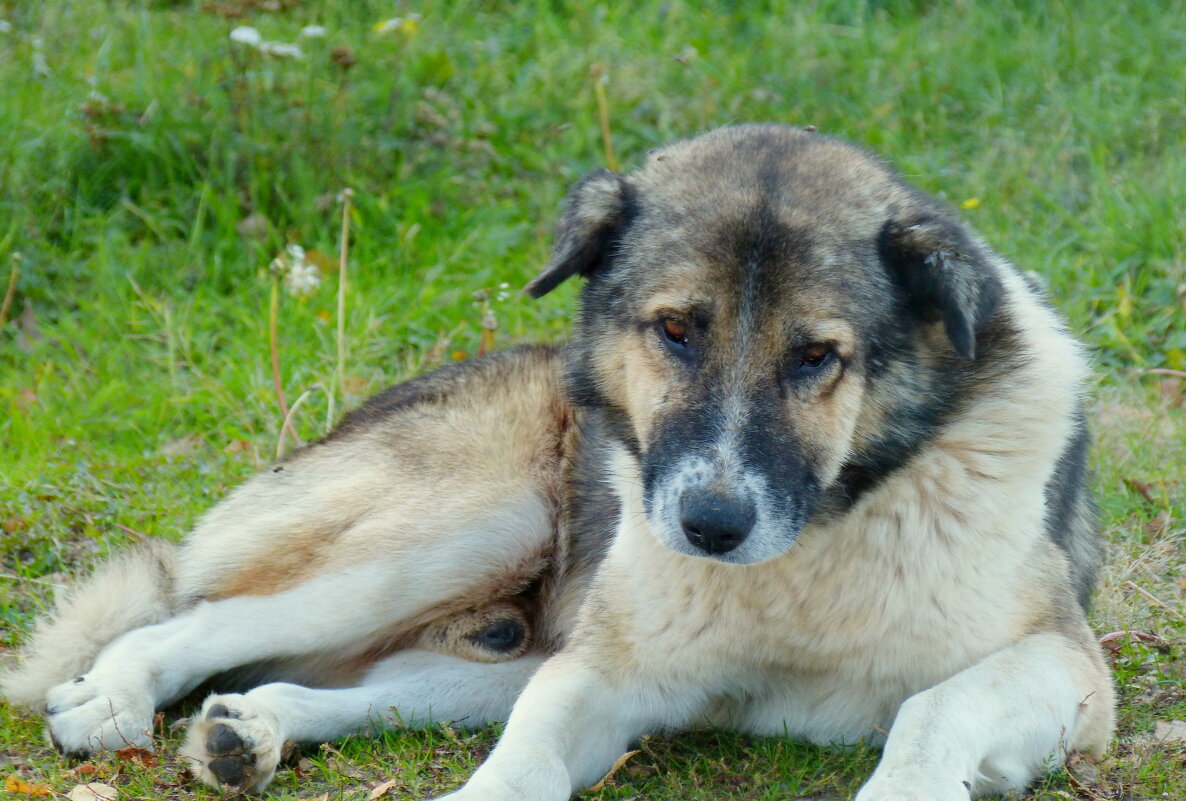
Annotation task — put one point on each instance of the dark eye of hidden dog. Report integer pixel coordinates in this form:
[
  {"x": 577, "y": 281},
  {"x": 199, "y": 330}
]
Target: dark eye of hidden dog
[{"x": 812, "y": 465}]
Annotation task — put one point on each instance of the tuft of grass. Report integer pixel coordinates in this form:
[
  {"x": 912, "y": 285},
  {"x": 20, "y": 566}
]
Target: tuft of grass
[{"x": 151, "y": 168}]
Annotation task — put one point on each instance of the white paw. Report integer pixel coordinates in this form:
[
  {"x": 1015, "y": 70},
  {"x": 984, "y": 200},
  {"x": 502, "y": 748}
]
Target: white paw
[
  {"x": 911, "y": 786},
  {"x": 98, "y": 713},
  {"x": 525, "y": 783},
  {"x": 233, "y": 743}
]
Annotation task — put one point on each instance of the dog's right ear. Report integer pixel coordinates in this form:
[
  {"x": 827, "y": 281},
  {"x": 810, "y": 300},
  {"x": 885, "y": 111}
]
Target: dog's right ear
[{"x": 593, "y": 213}]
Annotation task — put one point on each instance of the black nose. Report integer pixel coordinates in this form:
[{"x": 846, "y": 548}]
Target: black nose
[{"x": 716, "y": 523}]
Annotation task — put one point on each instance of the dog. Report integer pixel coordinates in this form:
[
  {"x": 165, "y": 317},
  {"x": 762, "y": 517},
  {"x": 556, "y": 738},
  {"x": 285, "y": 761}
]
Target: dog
[{"x": 812, "y": 464}]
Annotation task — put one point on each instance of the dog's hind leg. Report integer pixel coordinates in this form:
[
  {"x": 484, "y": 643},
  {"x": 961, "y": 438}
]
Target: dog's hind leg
[
  {"x": 327, "y": 619},
  {"x": 236, "y": 739}
]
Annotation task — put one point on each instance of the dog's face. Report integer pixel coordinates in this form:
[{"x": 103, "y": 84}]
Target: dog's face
[{"x": 768, "y": 317}]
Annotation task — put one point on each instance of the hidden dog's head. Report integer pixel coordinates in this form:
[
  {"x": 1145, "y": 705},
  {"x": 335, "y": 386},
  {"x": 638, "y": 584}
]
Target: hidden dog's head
[{"x": 773, "y": 322}]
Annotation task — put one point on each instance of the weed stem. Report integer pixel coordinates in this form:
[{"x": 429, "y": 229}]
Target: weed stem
[
  {"x": 12, "y": 278},
  {"x": 599, "y": 81},
  {"x": 343, "y": 262}
]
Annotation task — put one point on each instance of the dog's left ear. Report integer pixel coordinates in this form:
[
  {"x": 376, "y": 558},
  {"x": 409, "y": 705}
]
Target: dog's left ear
[
  {"x": 945, "y": 273},
  {"x": 593, "y": 213}
]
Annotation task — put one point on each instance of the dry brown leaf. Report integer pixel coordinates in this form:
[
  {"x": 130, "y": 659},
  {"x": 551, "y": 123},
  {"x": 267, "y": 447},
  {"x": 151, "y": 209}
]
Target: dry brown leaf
[
  {"x": 85, "y": 770},
  {"x": 93, "y": 791},
  {"x": 15, "y": 784},
  {"x": 1114, "y": 641},
  {"x": 1143, "y": 488},
  {"x": 622, "y": 760},
  {"x": 140, "y": 756},
  {"x": 383, "y": 789}
]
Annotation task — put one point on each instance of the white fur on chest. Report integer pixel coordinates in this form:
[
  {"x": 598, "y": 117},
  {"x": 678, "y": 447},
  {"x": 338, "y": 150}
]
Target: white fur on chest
[{"x": 826, "y": 641}]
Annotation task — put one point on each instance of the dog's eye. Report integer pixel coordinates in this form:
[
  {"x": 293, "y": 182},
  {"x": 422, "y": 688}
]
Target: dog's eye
[
  {"x": 815, "y": 355},
  {"x": 813, "y": 359},
  {"x": 675, "y": 331},
  {"x": 501, "y": 636}
]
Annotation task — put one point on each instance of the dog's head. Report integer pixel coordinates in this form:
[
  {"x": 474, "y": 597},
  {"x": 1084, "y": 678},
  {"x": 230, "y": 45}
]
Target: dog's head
[{"x": 773, "y": 322}]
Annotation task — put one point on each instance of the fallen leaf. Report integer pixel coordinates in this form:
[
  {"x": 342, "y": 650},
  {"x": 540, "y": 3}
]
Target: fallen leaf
[
  {"x": 15, "y": 784},
  {"x": 1143, "y": 488},
  {"x": 1082, "y": 770},
  {"x": 1114, "y": 642},
  {"x": 85, "y": 770},
  {"x": 1171, "y": 731},
  {"x": 93, "y": 791},
  {"x": 622, "y": 760},
  {"x": 140, "y": 756},
  {"x": 383, "y": 789}
]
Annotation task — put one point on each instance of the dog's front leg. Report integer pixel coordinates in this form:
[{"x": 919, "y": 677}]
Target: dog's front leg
[
  {"x": 996, "y": 725},
  {"x": 565, "y": 732}
]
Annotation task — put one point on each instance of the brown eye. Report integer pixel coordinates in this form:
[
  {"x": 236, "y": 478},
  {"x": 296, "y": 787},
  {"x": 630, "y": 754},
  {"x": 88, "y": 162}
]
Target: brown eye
[
  {"x": 815, "y": 355},
  {"x": 675, "y": 331}
]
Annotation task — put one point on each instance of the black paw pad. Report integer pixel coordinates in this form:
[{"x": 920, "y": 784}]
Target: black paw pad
[
  {"x": 230, "y": 770},
  {"x": 222, "y": 739},
  {"x": 221, "y": 711}
]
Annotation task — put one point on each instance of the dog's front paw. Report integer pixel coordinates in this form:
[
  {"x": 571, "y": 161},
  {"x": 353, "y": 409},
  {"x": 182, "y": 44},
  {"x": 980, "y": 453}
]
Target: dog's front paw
[
  {"x": 913, "y": 786},
  {"x": 95, "y": 713},
  {"x": 231, "y": 743}
]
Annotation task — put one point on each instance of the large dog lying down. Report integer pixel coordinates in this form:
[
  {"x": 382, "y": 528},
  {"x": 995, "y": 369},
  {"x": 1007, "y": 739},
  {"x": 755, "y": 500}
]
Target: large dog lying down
[{"x": 812, "y": 463}]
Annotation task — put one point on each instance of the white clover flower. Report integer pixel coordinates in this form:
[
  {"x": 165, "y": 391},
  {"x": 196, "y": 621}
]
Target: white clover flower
[
  {"x": 313, "y": 31},
  {"x": 246, "y": 35},
  {"x": 280, "y": 50},
  {"x": 303, "y": 279}
]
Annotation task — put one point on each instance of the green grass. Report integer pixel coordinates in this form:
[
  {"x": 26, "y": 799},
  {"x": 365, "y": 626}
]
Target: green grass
[{"x": 135, "y": 385}]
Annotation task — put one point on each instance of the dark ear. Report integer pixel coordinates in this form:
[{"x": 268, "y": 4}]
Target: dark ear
[
  {"x": 593, "y": 213},
  {"x": 946, "y": 275}
]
